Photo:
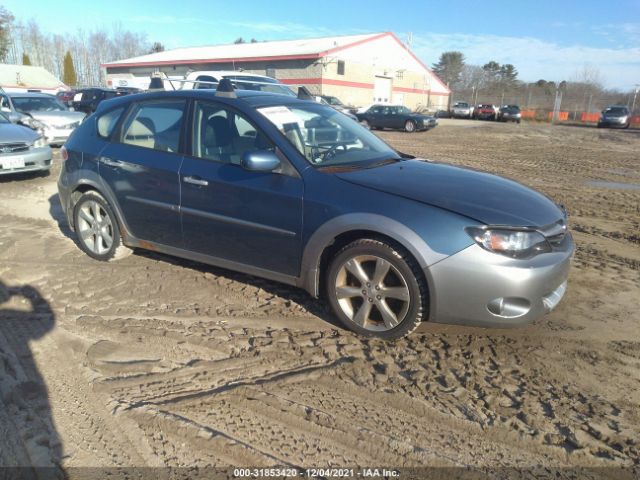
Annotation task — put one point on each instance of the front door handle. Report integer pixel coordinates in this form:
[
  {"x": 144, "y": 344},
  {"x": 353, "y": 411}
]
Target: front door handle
[
  {"x": 110, "y": 162},
  {"x": 195, "y": 181}
]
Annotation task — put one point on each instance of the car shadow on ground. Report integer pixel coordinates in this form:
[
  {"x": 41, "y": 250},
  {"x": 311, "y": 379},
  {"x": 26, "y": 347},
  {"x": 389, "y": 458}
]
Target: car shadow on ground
[
  {"x": 316, "y": 307},
  {"x": 57, "y": 214},
  {"x": 29, "y": 437}
]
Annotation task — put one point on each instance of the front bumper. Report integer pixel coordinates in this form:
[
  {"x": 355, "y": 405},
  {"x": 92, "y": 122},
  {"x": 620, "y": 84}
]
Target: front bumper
[
  {"x": 613, "y": 122},
  {"x": 34, "y": 159},
  {"x": 57, "y": 136},
  {"x": 478, "y": 288}
]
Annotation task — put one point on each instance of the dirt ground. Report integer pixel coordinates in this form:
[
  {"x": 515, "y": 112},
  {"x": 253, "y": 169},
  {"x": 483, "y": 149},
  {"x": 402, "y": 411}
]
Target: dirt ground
[{"x": 155, "y": 361}]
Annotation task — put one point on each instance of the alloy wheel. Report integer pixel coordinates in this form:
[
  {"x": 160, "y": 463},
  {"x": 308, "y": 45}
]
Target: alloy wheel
[
  {"x": 372, "y": 292},
  {"x": 95, "y": 227}
]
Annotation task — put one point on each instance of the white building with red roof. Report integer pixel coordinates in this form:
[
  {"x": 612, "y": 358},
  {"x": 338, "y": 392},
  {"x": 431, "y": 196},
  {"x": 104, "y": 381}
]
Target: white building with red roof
[{"x": 358, "y": 69}]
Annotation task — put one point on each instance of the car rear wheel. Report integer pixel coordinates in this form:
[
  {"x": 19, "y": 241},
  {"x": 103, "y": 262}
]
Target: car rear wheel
[
  {"x": 96, "y": 227},
  {"x": 376, "y": 289},
  {"x": 410, "y": 126}
]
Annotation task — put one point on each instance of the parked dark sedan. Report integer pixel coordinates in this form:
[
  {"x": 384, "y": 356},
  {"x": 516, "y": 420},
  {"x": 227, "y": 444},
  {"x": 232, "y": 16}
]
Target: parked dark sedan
[
  {"x": 294, "y": 191},
  {"x": 87, "y": 99},
  {"x": 396, "y": 117},
  {"x": 615, "y": 116}
]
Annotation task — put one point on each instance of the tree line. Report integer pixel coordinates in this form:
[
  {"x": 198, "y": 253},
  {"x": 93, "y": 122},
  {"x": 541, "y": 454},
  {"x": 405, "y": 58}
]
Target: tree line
[
  {"x": 74, "y": 59},
  {"x": 499, "y": 84}
]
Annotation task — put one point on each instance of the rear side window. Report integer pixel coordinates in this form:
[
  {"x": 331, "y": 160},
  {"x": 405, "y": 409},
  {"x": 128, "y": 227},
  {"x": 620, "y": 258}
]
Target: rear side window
[
  {"x": 155, "y": 125},
  {"x": 108, "y": 121}
]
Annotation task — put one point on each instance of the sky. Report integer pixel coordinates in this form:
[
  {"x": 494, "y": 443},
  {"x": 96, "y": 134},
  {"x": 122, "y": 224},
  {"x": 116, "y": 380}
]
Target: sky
[{"x": 546, "y": 39}]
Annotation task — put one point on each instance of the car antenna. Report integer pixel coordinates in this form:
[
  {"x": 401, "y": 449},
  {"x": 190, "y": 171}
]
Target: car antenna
[
  {"x": 304, "y": 94},
  {"x": 225, "y": 89}
]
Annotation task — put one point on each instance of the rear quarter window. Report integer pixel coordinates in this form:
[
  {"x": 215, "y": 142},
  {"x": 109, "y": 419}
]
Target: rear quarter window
[{"x": 107, "y": 122}]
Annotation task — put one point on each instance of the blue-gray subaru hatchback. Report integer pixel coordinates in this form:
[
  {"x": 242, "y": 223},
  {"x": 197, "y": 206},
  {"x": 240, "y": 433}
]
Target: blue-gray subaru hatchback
[{"x": 297, "y": 192}]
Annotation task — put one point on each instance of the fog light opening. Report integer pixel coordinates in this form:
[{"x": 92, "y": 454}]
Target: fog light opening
[{"x": 509, "y": 307}]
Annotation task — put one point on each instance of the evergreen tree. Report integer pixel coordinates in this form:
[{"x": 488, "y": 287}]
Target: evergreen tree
[
  {"x": 25, "y": 59},
  {"x": 449, "y": 67},
  {"x": 69, "y": 75}
]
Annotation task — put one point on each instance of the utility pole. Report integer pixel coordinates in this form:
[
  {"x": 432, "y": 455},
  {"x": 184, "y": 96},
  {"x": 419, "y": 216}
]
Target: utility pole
[
  {"x": 556, "y": 105},
  {"x": 635, "y": 94}
]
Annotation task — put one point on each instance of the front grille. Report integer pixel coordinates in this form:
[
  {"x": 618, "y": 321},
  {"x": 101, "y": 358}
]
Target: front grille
[{"x": 8, "y": 148}]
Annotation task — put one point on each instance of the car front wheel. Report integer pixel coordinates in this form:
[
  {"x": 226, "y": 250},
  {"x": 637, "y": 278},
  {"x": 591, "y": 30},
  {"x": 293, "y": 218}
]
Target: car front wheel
[
  {"x": 96, "y": 227},
  {"x": 377, "y": 289},
  {"x": 410, "y": 126}
]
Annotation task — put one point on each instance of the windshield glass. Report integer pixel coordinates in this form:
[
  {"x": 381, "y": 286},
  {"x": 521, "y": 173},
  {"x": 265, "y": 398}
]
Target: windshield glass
[
  {"x": 38, "y": 104},
  {"x": 616, "y": 111},
  {"x": 326, "y": 137},
  {"x": 461, "y": 105},
  {"x": 264, "y": 87}
]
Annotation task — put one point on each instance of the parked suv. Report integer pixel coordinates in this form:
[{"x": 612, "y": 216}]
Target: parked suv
[
  {"x": 294, "y": 191},
  {"x": 485, "y": 111},
  {"x": 509, "y": 113},
  {"x": 615, "y": 116},
  {"x": 461, "y": 110},
  {"x": 87, "y": 99}
]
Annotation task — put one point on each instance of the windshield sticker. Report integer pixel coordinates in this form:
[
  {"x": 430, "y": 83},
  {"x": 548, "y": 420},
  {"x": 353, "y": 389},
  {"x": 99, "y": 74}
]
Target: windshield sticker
[{"x": 281, "y": 116}]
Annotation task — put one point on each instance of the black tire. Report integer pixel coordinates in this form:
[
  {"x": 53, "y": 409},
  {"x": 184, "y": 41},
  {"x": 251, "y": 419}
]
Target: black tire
[
  {"x": 103, "y": 251},
  {"x": 410, "y": 126},
  {"x": 411, "y": 311}
]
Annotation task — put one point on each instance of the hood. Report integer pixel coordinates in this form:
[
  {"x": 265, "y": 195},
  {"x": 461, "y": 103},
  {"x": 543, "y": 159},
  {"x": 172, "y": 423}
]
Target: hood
[
  {"x": 58, "y": 118},
  {"x": 11, "y": 133},
  {"x": 486, "y": 198}
]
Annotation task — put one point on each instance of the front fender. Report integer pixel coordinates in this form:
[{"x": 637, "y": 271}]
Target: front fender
[{"x": 325, "y": 235}]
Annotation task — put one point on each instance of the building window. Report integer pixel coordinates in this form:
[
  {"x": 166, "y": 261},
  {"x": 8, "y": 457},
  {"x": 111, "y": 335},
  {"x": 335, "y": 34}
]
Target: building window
[
  {"x": 400, "y": 74},
  {"x": 340, "y": 67},
  {"x": 270, "y": 71}
]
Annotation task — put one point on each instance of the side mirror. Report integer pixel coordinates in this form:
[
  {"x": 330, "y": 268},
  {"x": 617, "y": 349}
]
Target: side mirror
[{"x": 260, "y": 161}]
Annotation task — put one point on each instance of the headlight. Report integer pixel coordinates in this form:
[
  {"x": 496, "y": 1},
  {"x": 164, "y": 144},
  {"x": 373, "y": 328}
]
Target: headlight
[
  {"x": 512, "y": 243},
  {"x": 40, "y": 142}
]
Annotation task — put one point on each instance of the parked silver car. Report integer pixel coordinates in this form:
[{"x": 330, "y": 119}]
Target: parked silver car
[
  {"x": 22, "y": 149},
  {"x": 42, "y": 112}
]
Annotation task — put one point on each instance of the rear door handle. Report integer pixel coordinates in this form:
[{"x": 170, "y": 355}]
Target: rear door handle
[
  {"x": 195, "y": 181},
  {"x": 110, "y": 162}
]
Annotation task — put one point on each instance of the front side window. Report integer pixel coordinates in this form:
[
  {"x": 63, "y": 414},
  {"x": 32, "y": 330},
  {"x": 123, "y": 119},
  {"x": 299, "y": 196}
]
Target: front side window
[
  {"x": 224, "y": 135},
  {"x": 326, "y": 137},
  {"x": 155, "y": 125}
]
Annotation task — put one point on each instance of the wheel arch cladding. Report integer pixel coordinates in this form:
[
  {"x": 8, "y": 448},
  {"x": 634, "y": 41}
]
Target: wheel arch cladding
[{"x": 350, "y": 227}]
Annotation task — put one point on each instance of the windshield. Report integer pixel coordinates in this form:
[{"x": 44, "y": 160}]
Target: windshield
[
  {"x": 38, "y": 104},
  {"x": 462, "y": 105},
  {"x": 326, "y": 137},
  {"x": 333, "y": 101},
  {"x": 264, "y": 87},
  {"x": 616, "y": 111}
]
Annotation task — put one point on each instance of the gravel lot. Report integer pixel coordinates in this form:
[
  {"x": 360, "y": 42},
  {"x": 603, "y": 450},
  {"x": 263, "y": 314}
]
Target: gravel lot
[{"x": 155, "y": 361}]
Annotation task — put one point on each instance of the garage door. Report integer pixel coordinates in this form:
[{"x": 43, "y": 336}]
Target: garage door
[{"x": 382, "y": 90}]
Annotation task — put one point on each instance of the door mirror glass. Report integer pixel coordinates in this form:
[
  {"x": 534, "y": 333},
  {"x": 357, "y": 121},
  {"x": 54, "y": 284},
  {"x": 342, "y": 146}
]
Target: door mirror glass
[{"x": 260, "y": 161}]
